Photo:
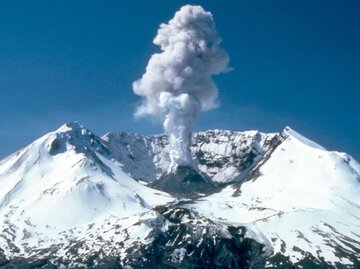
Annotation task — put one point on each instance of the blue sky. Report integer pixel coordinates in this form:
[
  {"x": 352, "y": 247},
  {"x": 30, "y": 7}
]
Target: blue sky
[{"x": 295, "y": 63}]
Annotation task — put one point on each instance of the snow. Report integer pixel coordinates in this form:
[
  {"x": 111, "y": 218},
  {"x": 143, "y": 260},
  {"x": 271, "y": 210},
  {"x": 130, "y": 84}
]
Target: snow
[
  {"x": 302, "y": 139},
  {"x": 71, "y": 185},
  {"x": 301, "y": 191},
  {"x": 48, "y": 189},
  {"x": 217, "y": 153}
]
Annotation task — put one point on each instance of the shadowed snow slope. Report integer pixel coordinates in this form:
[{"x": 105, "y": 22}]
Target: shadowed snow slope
[{"x": 300, "y": 200}]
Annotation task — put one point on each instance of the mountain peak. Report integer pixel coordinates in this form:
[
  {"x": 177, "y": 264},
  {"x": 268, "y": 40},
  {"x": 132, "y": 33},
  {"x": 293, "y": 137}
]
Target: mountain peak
[
  {"x": 72, "y": 127},
  {"x": 289, "y": 132},
  {"x": 76, "y": 136}
]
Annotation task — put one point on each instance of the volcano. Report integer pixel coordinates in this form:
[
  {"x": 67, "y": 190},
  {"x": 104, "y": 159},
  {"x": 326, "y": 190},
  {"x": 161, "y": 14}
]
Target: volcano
[
  {"x": 185, "y": 182},
  {"x": 72, "y": 199}
]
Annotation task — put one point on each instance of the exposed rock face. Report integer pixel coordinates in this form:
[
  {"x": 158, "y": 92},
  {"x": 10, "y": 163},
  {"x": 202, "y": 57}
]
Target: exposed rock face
[
  {"x": 224, "y": 156},
  {"x": 195, "y": 242}
]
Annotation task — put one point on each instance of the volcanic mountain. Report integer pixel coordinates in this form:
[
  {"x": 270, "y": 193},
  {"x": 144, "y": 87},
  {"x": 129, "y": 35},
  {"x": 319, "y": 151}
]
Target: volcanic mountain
[
  {"x": 72, "y": 199},
  {"x": 185, "y": 181}
]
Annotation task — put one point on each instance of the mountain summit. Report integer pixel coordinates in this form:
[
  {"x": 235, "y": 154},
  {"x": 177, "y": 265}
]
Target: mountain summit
[{"x": 252, "y": 200}]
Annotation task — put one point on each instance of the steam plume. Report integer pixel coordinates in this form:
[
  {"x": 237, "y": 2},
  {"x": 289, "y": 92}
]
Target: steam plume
[{"x": 177, "y": 84}]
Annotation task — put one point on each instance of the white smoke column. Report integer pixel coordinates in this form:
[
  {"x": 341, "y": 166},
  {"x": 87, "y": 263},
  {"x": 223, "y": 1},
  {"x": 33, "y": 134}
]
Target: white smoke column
[{"x": 177, "y": 84}]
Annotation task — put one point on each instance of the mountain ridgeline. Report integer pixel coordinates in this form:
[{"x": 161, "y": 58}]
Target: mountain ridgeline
[{"x": 72, "y": 199}]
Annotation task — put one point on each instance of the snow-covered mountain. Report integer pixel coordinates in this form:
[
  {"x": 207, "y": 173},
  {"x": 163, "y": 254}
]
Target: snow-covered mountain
[
  {"x": 65, "y": 187},
  {"x": 223, "y": 155},
  {"x": 72, "y": 200},
  {"x": 300, "y": 200}
]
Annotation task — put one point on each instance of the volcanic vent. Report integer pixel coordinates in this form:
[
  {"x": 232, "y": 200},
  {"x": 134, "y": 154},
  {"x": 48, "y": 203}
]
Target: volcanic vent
[{"x": 185, "y": 181}]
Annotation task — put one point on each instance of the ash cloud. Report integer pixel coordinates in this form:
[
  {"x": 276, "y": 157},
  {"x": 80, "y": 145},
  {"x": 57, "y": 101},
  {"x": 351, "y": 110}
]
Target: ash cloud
[{"x": 177, "y": 84}]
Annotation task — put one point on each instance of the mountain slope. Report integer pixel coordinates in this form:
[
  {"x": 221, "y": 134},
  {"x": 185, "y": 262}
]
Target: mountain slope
[
  {"x": 302, "y": 201},
  {"x": 74, "y": 200},
  {"x": 224, "y": 156},
  {"x": 66, "y": 180}
]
